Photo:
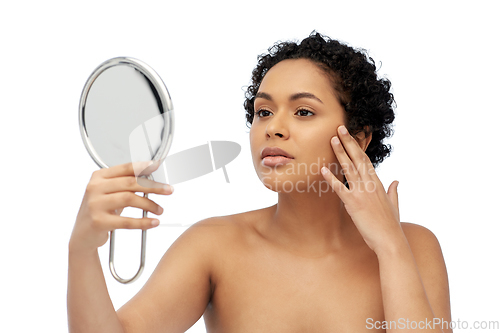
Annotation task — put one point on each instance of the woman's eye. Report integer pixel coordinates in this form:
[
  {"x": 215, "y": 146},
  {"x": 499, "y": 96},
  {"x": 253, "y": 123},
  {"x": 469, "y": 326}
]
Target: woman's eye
[
  {"x": 258, "y": 113},
  {"x": 303, "y": 112}
]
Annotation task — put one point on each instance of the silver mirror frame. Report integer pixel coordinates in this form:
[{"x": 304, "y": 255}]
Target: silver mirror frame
[{"x": 162, "y": 151}]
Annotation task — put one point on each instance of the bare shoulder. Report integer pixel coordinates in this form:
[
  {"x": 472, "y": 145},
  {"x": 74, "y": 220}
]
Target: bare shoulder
[
  {"x": 215, "y": 236},
  {"x": 424, "y": 245},
  {"x": 431, "y": 266},
  {"x": 219, "y": 228},
  {"x": 416, "y": 231},
  {"x": 420, "y": 239}
]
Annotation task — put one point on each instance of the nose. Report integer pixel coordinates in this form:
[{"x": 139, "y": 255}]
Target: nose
[{"x": 277, "y": 126}]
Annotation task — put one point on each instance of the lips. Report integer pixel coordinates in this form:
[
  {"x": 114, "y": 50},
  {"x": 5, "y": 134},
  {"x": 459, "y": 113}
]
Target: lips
[{"x": 274, "y": 151}]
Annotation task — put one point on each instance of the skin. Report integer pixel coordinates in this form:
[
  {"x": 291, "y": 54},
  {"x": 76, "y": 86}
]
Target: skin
[{"x": 310, "y": 263}]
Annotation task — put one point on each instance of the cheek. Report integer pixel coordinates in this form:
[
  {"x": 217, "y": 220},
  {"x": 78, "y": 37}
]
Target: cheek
[
  {"x": 254, "y": 144},
  {"x": 319, "y": 140},
  {"x": 322, "y": 147},
  {"x": 321, "y": 155},
  {"x": 251, "y": 137}
]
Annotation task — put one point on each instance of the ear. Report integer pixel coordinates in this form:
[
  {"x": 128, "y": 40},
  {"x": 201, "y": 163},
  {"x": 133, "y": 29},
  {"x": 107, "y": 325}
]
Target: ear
[{"x": 364, "y": 141}]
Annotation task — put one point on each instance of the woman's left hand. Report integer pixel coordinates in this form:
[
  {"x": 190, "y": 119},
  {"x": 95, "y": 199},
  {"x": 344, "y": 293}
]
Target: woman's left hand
[{"x": 374, "y": 212}]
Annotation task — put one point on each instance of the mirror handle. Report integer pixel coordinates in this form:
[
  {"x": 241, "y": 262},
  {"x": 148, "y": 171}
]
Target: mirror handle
[{"x": 143, "y": 254}]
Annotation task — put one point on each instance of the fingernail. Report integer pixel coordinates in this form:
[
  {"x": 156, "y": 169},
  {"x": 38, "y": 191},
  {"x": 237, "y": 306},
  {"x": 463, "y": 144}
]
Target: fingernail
[
  {"x": 155, "y": 222},
  {"x": 168, "y": 187},
  {"x": 343, "y": 130}
]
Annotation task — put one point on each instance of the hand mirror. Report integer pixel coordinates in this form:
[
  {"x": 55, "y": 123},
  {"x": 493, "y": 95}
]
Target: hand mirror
[{"x": 126, "y": 115}]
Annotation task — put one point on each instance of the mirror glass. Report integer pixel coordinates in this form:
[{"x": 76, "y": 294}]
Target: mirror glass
[{"x": 126, "y": 114}]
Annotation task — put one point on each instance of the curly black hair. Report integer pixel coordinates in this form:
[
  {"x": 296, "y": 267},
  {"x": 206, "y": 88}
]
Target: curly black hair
[{"x": 366, "y": 99}]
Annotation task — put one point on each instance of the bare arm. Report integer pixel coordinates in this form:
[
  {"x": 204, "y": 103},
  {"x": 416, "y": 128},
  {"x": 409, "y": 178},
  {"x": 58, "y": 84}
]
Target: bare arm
[
  {"x": 89, "y": 305},
  {"x": 172, "y": 300},
  {"x": 178, "y": 291},
  {"x": 414, "y": 283},
  {"x": 109, "y": 191}
]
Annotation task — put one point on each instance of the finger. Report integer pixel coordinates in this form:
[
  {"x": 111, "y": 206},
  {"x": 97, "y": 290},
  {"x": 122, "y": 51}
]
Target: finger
[
  {"x": 360, "y": 160},
  {"x": 130, "y": 169},
  {"x": 357, "y": 157},
  {"x": 122, "y": 222},
  {"x": 393, "y": 195},
  {"x": 150, "y": 185},
  {"x": 337, "y": 186},
  {"x": 133, "y": 184},
  {"x": 151, "y": 167},
  {"x": 348, "y": 168},
  {"x": 120, "y": 200}
]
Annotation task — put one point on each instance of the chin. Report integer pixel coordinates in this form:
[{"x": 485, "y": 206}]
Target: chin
[{"x": 283, "y": 183}]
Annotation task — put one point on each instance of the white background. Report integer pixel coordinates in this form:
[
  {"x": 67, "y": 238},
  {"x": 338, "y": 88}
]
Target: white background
[{"x": 442, "y": 59}]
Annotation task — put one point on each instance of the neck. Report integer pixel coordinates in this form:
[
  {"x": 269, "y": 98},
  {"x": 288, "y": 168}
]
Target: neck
[{"x": 312, "y": 224}]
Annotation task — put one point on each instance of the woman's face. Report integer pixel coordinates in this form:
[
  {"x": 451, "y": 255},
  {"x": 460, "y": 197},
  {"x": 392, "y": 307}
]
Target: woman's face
[{"x": 297, "y": 111}]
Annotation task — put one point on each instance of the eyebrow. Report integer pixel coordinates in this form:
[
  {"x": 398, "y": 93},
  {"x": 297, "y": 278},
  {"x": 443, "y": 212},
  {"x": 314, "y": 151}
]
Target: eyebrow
[{"x": 292, "y": 97}]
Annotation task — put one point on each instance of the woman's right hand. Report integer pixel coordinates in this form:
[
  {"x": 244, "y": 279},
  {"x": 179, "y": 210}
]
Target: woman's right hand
[{"x": 108, "y": 192}]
